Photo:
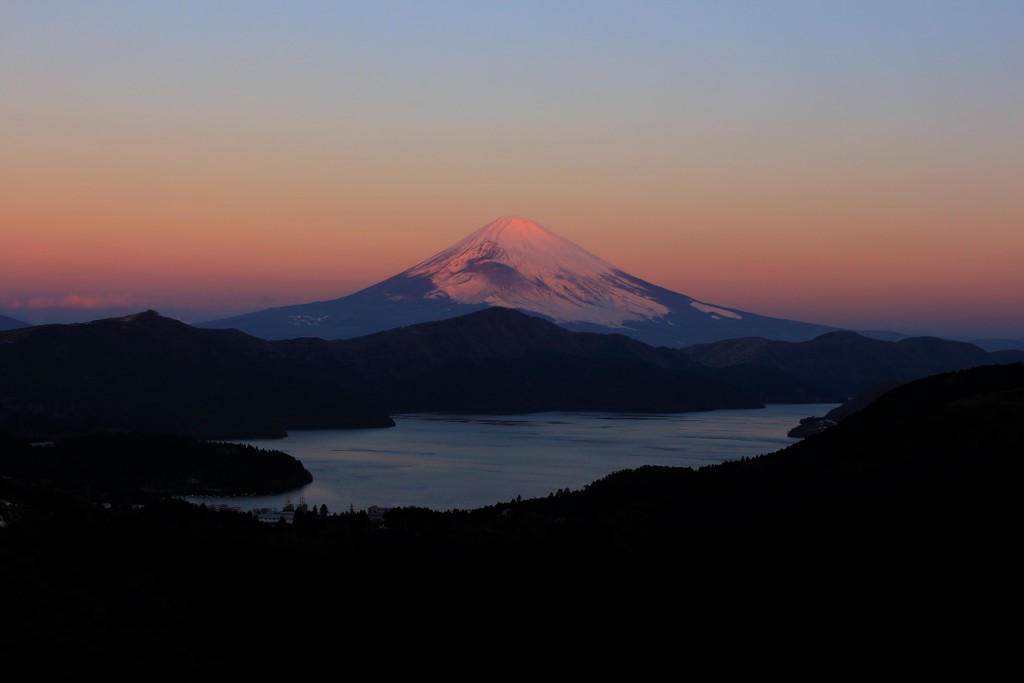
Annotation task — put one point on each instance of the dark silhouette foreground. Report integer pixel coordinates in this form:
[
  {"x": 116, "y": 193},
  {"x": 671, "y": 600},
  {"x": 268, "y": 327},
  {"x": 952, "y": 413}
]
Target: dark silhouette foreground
[{"x": 896, "y": 527}]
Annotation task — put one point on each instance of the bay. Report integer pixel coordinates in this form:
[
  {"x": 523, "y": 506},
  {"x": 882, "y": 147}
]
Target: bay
[{"x": 447, "y": 462}]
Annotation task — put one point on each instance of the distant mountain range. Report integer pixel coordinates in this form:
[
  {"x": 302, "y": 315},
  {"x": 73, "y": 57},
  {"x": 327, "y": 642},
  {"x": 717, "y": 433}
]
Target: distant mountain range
[
  {"x": 837, "y": 364},
  {"x": 517, "y": 263},
  {"x": 146, "y": 372},
  {"x": 11, "y": 323}
]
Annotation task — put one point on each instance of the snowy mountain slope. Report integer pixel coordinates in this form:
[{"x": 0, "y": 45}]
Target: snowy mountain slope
[{"x": 517, "y": 263}]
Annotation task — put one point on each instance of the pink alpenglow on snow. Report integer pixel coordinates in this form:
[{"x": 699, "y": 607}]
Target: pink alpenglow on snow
[{"x": 517, "y": 263}]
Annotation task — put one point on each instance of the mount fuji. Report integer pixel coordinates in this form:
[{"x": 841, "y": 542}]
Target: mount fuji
[{"x": 519, "y": 264}]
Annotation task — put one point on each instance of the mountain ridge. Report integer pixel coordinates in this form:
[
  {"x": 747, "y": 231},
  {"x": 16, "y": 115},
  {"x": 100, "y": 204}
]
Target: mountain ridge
[{"x": 148, "y": 372}]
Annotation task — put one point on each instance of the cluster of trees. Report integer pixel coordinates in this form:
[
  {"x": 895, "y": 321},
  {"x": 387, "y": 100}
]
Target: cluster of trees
[{"x": 115, "y": 467}]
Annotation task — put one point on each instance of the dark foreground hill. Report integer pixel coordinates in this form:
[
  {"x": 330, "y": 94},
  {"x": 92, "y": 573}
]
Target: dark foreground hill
[
  {"x": 892, "y": 534},
  {"x": 148, "y": 373}
]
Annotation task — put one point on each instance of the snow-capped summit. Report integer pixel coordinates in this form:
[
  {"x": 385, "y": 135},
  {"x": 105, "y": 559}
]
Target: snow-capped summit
[{"x": 517, "y": 263}]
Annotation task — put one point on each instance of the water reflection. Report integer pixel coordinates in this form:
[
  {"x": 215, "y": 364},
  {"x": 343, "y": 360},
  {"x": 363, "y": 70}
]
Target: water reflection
[{"x": 464, "y": 462}]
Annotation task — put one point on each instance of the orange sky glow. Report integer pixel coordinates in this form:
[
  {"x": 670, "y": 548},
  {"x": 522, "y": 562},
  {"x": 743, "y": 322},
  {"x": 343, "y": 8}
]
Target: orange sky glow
[{"x": 857, "y": 167}]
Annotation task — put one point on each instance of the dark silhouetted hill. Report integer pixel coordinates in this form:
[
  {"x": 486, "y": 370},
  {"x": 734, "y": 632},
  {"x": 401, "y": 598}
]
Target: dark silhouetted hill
[
  {"x": 500, "y": 360},
  {"x": 148, "y": 373},
  {"x": 836, "y": 366},
  {"x": 816, "y": 423},
  {"x": 138, "y": 468}
]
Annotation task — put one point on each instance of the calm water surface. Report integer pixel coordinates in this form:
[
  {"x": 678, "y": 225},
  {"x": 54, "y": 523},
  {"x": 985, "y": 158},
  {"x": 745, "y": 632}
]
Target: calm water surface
[{"x": 465, "y": 462}]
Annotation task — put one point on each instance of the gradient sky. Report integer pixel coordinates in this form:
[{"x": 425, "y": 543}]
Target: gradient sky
[{"x": 858, "y": 164}]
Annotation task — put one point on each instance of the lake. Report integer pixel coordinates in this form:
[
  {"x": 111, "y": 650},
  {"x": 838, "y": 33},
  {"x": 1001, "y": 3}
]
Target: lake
[{"x": 446, "y": 462}]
